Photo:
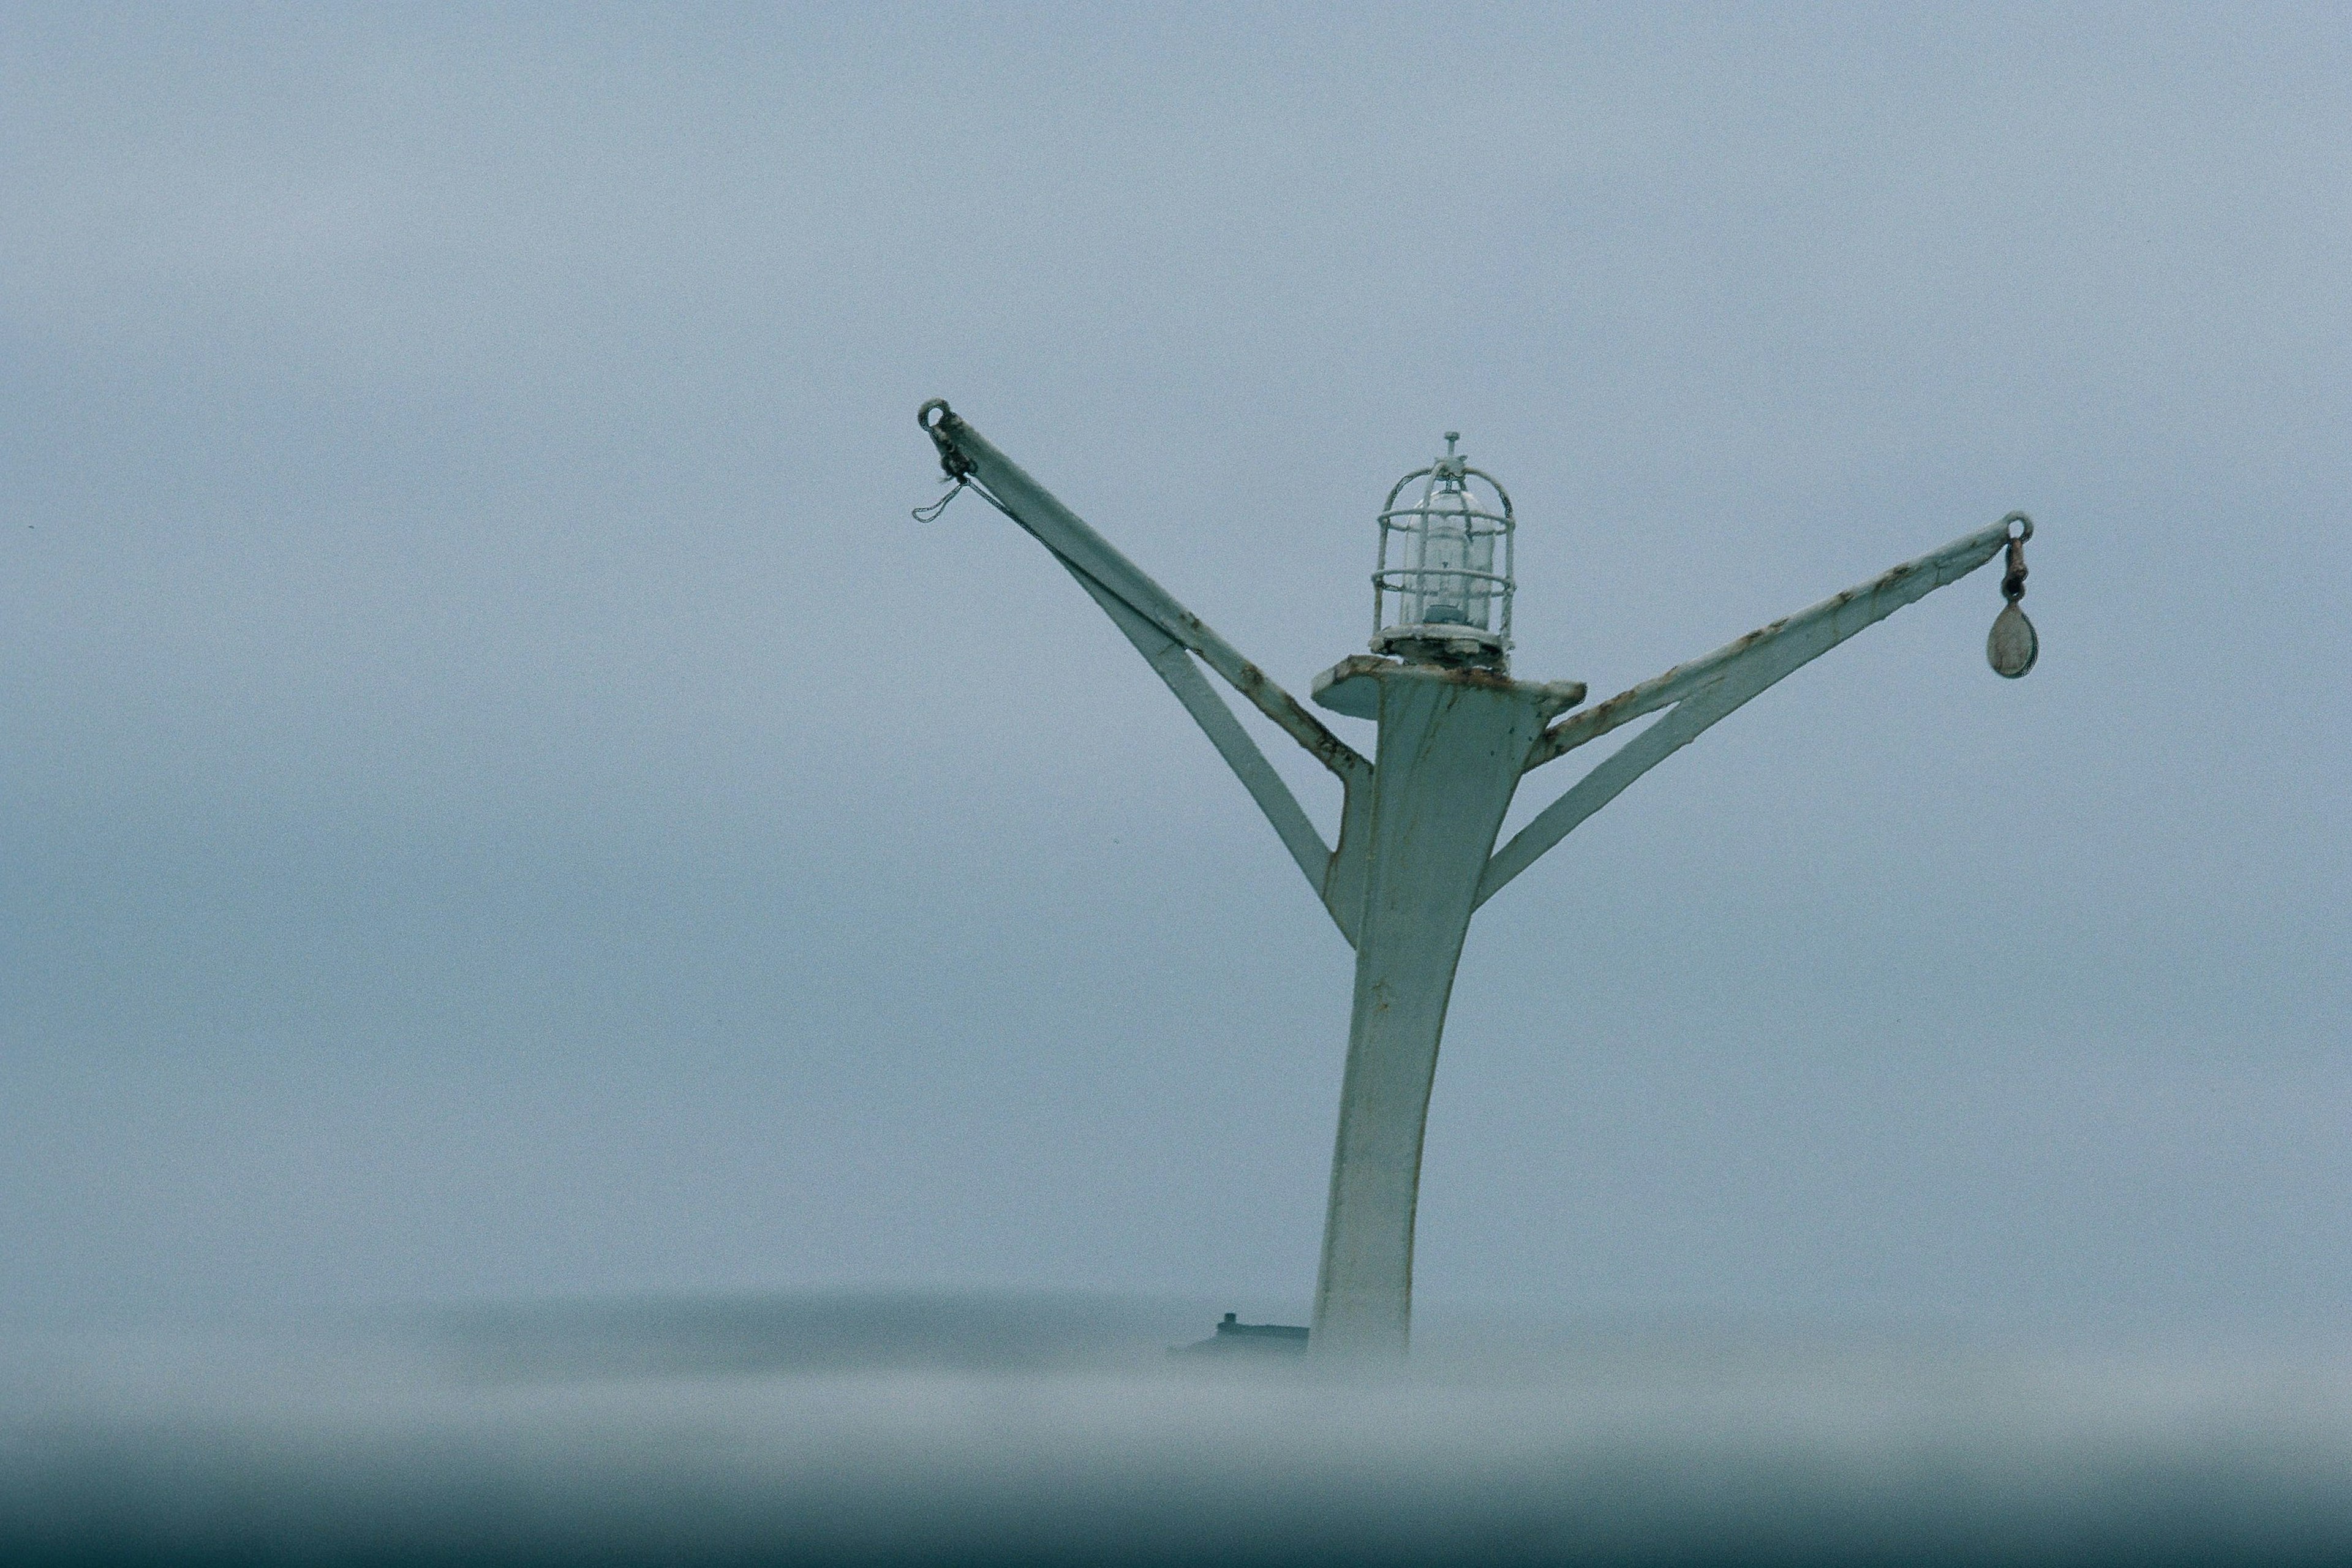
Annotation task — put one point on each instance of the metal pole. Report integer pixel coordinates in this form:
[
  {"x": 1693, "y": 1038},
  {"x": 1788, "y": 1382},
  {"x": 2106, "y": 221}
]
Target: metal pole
[{"x": 1452, "y": 746}]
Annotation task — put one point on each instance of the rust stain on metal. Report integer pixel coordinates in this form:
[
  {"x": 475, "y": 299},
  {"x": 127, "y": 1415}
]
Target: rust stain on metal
[
  {"x": 1327, "y": 748},
  {"x": 1677, "y": 683}
]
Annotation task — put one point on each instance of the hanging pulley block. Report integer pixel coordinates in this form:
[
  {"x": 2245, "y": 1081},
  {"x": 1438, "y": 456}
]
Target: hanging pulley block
[{"x": 2011, "y": 646}]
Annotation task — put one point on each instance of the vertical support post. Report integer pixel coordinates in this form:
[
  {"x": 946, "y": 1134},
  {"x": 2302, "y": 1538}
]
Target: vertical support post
[{"x": 1452, "y": 747}]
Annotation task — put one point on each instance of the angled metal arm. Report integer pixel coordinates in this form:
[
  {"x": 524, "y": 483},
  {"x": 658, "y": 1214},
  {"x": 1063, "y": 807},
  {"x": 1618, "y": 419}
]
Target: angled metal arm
[
  {"x": 1166, "y": 634},
  {"x": 1175, "y": 666},
  {"x": 1705, "y": 689}
]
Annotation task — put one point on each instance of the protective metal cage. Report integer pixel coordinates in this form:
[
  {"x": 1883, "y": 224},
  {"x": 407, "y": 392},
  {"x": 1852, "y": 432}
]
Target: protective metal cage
[{"x": 1447, "y": 598}]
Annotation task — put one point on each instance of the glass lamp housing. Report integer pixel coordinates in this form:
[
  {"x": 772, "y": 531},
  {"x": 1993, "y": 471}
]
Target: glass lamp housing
[{"x": 1441, "y": 590}]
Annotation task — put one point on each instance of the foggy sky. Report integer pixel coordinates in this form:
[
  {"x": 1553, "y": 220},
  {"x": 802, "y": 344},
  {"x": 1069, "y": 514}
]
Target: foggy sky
[{"x": 502, "y": 800}]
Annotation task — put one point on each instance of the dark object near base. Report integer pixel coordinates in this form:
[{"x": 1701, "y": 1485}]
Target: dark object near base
[{"x": 1237, "y": 1338}]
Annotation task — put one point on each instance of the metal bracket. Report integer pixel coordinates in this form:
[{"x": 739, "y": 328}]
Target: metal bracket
[{"x": 1707, "y": 689}]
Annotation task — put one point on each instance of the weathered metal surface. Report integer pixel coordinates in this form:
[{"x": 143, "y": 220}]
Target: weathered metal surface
[
  {"x": 1706, "y": 688},
  {"x": 1352, "y": 685},
  {"x": 1167, "y": 636},
  {"x": 1449, "y": 756},
  {"x": 1349, "y": 686},
  {"x": 1816, "y": 630},
  {"x": 2011, "y": 646},
  {"x": 1091, "y": 556}
]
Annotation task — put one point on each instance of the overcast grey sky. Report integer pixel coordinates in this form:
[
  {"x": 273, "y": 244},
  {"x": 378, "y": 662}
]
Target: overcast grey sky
[{"x": 501, "y": 799}]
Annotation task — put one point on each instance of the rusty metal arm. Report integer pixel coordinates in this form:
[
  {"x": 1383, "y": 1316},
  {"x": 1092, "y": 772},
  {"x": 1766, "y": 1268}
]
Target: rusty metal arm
[
  {"x": 1705, "y": 689},
  {"x": 966, "y": 452},
  {"x": 1167, "y": 636}
]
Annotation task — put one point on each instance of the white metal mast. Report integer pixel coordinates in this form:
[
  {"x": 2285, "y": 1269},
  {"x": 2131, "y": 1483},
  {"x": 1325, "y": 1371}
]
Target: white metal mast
[{"x": 1416, "y": 854}]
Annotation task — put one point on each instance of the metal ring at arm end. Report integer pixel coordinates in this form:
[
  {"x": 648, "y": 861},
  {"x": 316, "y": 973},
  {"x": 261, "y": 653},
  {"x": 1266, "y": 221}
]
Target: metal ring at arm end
[
  {"x": 952, "y": 463},
  {"x": 2024, "y": 532}
]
